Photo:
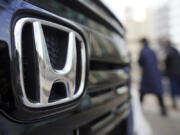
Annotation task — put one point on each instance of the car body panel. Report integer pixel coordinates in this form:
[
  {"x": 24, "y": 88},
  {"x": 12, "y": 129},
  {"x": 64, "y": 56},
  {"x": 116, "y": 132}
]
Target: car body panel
[{"x": 106, "y": 46}]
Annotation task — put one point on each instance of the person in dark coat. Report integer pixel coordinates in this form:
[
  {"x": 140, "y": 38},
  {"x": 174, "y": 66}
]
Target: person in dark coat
[
  {"x": 151, "y": 78},
  {"x": 172, "y": 63}
]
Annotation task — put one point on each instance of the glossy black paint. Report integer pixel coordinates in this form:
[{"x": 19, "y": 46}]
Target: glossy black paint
[{"x": 15, "y": 118}]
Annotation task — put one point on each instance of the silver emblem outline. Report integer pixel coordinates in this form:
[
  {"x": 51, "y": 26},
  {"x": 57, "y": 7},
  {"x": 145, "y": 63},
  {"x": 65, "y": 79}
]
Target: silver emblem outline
[{"x": 47, "y": 74}]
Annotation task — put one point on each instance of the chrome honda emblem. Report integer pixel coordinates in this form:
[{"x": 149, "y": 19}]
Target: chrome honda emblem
[{"x": 47, "y": 74}]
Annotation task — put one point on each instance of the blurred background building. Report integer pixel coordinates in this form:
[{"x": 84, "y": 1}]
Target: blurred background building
[
  {"x": 161, "y": 21},
  {"x": 167, "y": 21},
  {"x": 174, "y": 21},
  {"x": 154, "y": 19}
]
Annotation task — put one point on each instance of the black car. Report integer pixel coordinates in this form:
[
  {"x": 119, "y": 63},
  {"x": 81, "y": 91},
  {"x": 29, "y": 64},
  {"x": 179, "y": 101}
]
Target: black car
[{"x": 64, "y": 69}]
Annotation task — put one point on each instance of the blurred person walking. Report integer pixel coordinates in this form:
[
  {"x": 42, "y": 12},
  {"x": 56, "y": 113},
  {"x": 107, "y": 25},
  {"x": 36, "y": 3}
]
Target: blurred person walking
[
  {"x": 151, "y": 78},
  {"x": 172, "y": 63}
]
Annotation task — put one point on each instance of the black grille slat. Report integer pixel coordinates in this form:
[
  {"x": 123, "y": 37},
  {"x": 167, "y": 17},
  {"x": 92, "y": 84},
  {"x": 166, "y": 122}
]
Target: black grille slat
[{"x": 111, "y": 50}]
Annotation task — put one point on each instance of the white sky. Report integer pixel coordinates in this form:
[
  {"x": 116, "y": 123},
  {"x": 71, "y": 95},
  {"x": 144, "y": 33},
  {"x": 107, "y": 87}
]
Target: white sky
[{"x": 137, "y": 6}]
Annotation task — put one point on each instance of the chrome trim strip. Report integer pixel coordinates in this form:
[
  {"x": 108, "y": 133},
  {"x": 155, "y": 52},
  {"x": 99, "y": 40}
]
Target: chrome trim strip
[
  {"x": 48, "y": 75},
  {"x": 103, "y": 122},
  {"x": 100, "y": 80},
  {"x": 118, "y": 117},
  {"x": 103, "y": 98}
]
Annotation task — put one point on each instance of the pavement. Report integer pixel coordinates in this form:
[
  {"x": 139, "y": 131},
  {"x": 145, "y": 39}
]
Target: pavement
[{"x": 161, "y": 125}]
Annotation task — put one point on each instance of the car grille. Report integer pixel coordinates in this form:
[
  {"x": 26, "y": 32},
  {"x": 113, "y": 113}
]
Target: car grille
[
  {"x": 109, "y": 65},
  {"x": 108, "y": 80}
]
